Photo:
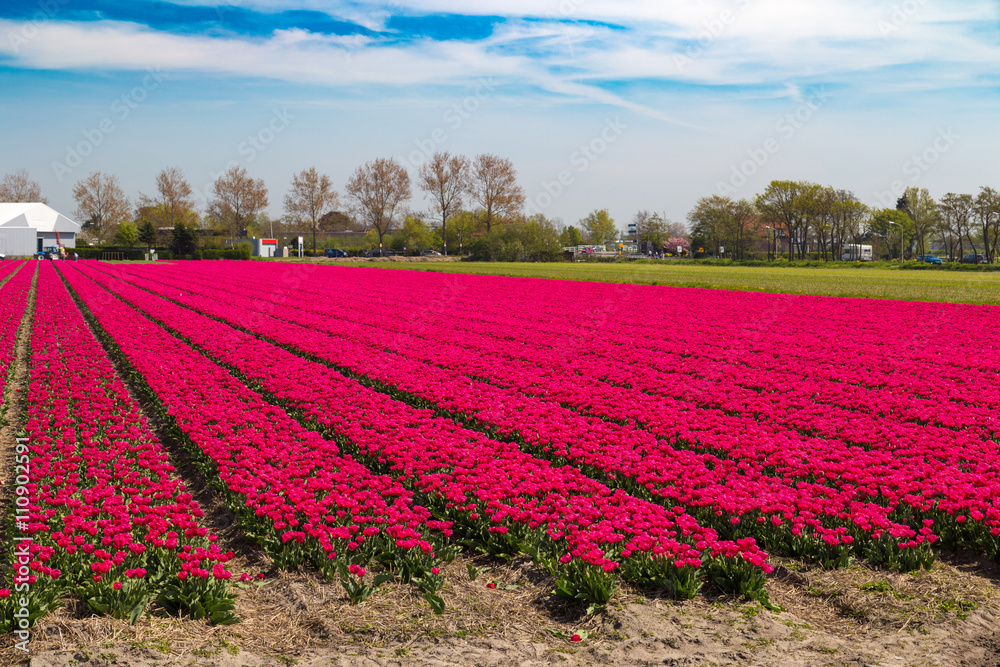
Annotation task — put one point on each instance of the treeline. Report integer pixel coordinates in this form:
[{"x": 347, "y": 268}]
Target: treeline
[
  {"x": 803, "y": 220},
  {"x": 376, "y": 197},
  {"x": 477, "y": 210}
]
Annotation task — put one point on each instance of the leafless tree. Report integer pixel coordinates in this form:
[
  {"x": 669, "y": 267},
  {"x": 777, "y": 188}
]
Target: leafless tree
[
  {"x": 445, "y": 178},
  {"x": 174, "y": 203},
  {"x": 17, "y": 186},
  {"x": 310, "y": 197},
  {"x": 376, "y": 189},
  {"x": 100, "y": 204},
  {"x": 237, "y": 200},
  {"x": 494, "y": 186}
]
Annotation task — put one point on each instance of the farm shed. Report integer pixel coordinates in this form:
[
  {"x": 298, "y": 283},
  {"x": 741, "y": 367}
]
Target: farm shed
[{"x": 28, "y": 228}]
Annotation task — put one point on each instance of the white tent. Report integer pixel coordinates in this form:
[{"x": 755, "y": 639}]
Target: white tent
[{"x": 27, "y": 228}]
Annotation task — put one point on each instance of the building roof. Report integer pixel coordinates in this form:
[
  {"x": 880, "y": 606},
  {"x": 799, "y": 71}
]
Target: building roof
[{"x": 38, "y": 216}]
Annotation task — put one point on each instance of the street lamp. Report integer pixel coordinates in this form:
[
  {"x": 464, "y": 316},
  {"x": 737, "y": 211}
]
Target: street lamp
[{"x": 900, "y": 239}]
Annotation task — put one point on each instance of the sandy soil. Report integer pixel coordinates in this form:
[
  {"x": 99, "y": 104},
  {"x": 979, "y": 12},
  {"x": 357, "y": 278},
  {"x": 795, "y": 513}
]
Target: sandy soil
[{"x": 854, "y": 616}]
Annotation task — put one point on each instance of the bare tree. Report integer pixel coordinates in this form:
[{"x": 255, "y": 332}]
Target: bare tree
[
  {"x": 445, "y": 178},
  {"x": 237, "y": 200},
  {"x": 17, "y": 187},
  {"x": 310, "y": 197},
  {"x": 100, "y": 204},
  {"x": 924, "y": 212},
  {"x": 174, "y": 203},
  {"x": 376, "y": 189},
  {"x": 494, "y": 186}
]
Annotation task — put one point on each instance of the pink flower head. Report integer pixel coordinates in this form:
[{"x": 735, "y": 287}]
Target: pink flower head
[{"x": 356, "y": 570}]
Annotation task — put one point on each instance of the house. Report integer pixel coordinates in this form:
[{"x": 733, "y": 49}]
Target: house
[{"x": 28, "y": 228}]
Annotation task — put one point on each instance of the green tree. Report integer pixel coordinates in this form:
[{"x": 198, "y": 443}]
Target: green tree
[
  {"x": 893, "y": 226},
  {"x": 924, "y": 213},
  {"x": 462, "y": 228},
  {"x": 789, "y": 205},
  {"x": 570, "y": 236},
  {"x": 147, "y": 234},
  {"x": 600, "y": 227},
  {"x": 126, "y": 235},
  {"x": 414, "y": 237},
  {"x": 184, "y": 241}
]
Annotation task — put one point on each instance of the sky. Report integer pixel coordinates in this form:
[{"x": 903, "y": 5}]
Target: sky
[{"x": 615, "y": 104}]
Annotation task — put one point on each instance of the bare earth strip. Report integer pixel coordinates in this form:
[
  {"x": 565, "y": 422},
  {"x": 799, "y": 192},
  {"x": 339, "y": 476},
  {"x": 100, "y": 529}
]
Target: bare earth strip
[{"x": 16, "y": 392}]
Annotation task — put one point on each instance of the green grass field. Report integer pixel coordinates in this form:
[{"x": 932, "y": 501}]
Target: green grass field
[{"x": 870, "y": 283}]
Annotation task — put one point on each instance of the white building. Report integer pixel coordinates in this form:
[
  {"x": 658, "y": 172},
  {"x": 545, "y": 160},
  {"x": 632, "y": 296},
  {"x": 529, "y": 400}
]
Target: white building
[{"x": 28, "y": 228}]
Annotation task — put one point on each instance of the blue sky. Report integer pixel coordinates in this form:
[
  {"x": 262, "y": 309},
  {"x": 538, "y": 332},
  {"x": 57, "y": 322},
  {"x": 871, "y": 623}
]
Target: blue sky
[{"x": 599, "y": 103}]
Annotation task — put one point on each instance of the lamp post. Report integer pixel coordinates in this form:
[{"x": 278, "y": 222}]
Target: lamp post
[{"x": 769, "y": 242}]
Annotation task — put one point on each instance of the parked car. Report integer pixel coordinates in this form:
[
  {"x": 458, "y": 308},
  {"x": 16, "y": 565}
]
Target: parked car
[
  {"x": 974, "y": 259},
  {"x": 335, "y": 252},
  {"x": 431, "y": 253},
  {"x": 929, "y": 259},
  {"x": 381, "y": 252}
]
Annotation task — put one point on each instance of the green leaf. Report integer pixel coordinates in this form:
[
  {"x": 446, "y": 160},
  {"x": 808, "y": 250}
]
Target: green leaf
[
  {"x": 382, "y": 578},
  {"x": 437, "y": 604}
]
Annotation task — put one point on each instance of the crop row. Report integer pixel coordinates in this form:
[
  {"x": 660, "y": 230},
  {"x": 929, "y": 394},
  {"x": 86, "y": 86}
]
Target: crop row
[
  {"x": 497, "y": 497},
  {"x": 782, "y": 479},
  {"x": 104, "y": 517}
]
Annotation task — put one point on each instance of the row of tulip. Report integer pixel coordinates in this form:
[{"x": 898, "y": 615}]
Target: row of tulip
[
  {"x": 779, "y": 480},
  {"x": 497, "y": 497},
  {"x": 104, "y": 516},
  {"x": 293, "y": 492}
]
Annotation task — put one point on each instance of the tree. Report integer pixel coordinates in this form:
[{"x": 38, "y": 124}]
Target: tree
[
  {"x": 183, "y": 241},
  {"x": 532, "y": 240},
  {"x": 923, "y": 211},
  {"x": 494, "y": 186},
  {"x": 173, "y": 203},
  {"x": 415, "y": 236},
  {"x": 720, "y": 221},
  {"x": 310, "y": 196},
  {"x": 237, "y": 200},
  {"x": 464, "y": 225},
  {"x": 570, "y": 237},
  {"x": 600, "y": 227},
  {"x": 675, "y": 242},
  {"x": 445, "y": 178},
  {"x": 147, "y": 234},
  {"x": 650, "y": 230},
  {"x": 986, "y": 211},
  {"x": 893, "y": 225},
  {"x": 17, "y": 187},
  {"x": 955, "y": 216},
  {"x": 376, "y": 189},
  {"x": 127, "y": 234},
  {"x": 100, "y": 203},
  {"x": 789, "y": 204}
]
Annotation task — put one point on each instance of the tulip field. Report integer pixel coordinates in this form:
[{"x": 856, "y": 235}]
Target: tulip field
[{"x": 373, "y": 424}]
